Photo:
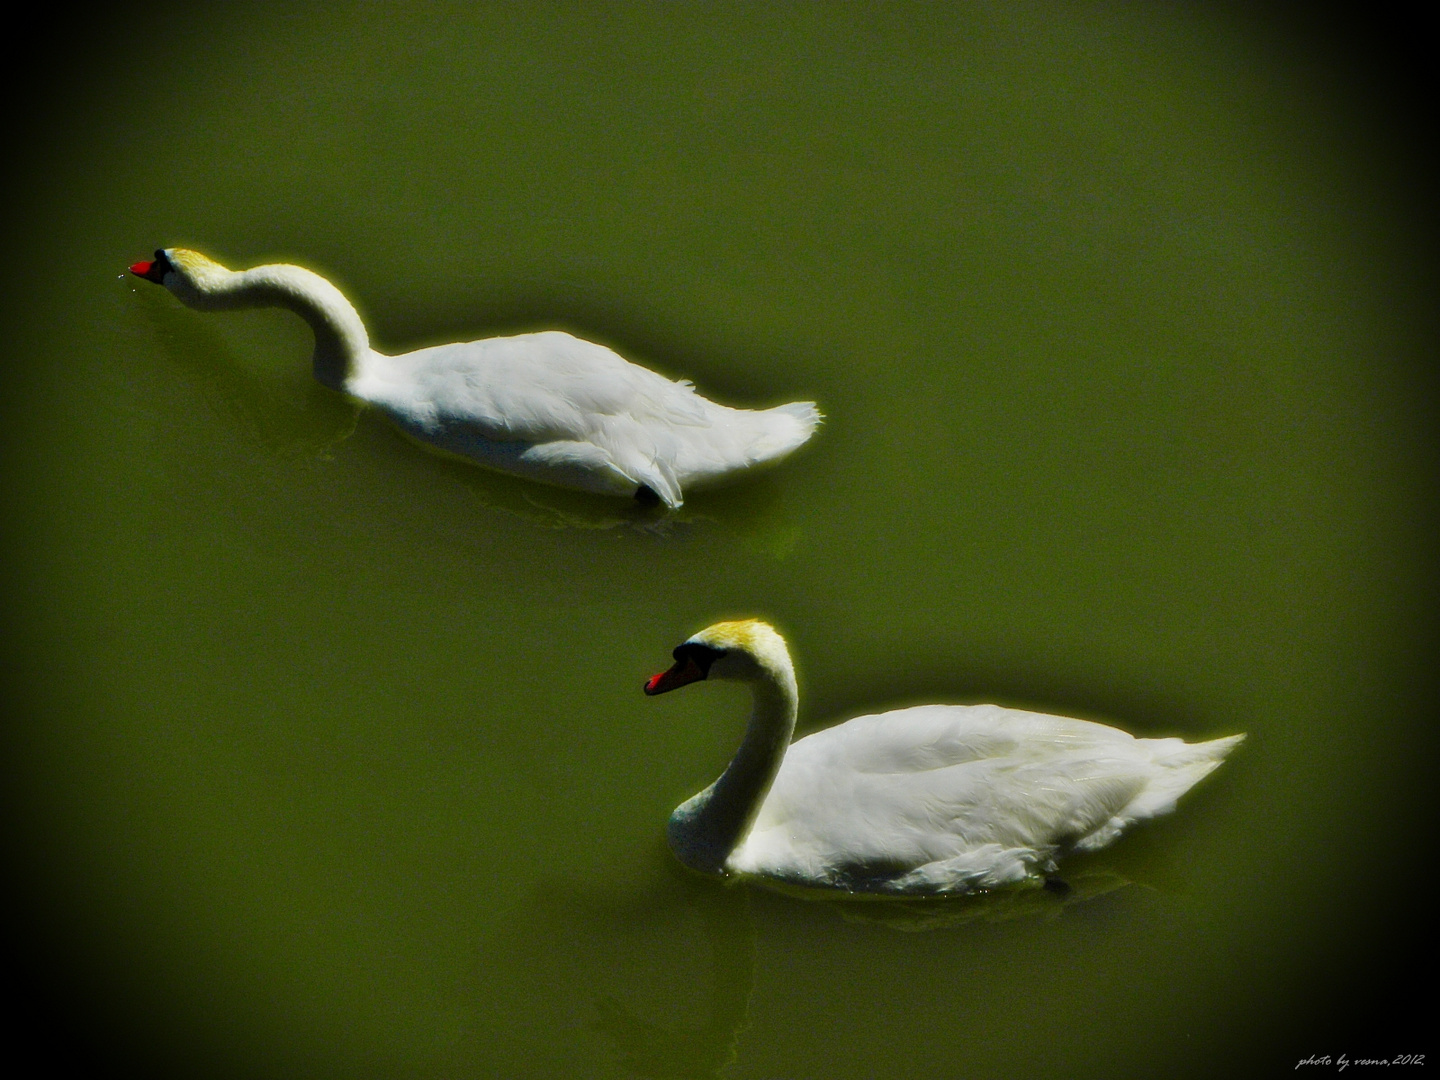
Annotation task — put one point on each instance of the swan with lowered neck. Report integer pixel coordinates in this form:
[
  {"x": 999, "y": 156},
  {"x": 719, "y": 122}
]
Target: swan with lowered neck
[
  {"x": 925, "y": 800},
  {"x": 548, "y": 405}
]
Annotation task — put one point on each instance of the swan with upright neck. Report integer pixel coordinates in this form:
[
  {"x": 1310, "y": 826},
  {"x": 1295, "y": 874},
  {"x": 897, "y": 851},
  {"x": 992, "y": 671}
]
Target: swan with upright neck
[
  {"x": 933, "y": 799},
  {"x": 548, "y": 405}
]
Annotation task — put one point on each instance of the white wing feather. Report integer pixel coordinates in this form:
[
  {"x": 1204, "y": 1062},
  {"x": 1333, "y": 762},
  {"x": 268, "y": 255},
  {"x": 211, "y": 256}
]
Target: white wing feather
[
  {"x": 553, "y": 403},
  {"x": 942, "y": 796}
]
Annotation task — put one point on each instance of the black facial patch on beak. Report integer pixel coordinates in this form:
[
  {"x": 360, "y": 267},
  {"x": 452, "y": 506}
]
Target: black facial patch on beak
[{"x": 692, "y": 663}]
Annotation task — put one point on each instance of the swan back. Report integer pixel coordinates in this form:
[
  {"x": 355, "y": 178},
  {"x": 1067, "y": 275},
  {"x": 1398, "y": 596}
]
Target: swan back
[
  {"x": 946, "y": 797},
  {"x": 558, "y": 404}
]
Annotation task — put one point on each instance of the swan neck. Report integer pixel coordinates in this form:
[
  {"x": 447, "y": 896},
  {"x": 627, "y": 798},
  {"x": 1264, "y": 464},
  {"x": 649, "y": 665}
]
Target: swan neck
[
  {"x": 706, "y": 829},
  {"x": 340, "y": 337}
]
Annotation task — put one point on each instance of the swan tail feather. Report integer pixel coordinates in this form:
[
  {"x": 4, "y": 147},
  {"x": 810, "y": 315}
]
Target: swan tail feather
[
  {"x": 783, "y": 429},
  {"x": 1182, "y": 769}
]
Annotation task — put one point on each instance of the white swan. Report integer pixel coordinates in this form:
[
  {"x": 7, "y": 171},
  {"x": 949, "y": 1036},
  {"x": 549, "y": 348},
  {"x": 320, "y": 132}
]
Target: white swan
[
  {"x": 932, "y": 799},
  {"x": 548, "y": 406}
]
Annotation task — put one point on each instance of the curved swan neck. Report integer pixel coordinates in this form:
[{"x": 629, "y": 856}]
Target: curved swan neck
[
  {"x": 340, "y": 337},
  {"x": 704, "y": 830}
]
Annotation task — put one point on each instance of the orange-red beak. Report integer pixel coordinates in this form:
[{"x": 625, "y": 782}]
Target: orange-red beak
[
  {"x": 153, "y": 271},
  {"x": 685, "y": 671}
]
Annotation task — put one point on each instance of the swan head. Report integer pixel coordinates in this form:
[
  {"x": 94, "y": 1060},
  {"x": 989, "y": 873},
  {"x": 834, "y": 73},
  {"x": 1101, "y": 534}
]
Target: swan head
[
  {"x": 188, "y": 274},
  {"x": 746, "y": 650}
]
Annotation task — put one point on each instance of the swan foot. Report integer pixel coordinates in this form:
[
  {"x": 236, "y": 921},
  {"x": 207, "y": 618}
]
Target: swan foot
[
  {"x": 1056, "y": 886},
  {"x": 645, "y": 496}
]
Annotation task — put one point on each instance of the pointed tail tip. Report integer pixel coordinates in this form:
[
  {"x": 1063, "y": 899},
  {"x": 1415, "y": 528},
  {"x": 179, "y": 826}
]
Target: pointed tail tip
[
  {"x": 806, "y": 413},
  {"x": 1217, "y": 750},
  {"x": 1208, "y": 754}
]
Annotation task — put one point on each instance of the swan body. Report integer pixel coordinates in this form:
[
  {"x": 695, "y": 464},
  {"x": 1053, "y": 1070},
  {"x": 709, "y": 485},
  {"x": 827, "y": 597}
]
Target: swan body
[
  {"x": 924, "y": 800},
  {"x": 548, "y": 406}
]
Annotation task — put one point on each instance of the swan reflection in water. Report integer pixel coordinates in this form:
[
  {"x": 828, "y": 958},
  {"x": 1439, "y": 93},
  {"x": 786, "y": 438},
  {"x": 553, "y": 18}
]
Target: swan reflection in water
[
  {"x": 660, "y": 984},
  {"x": 653, "y": 1048},
  {"x": 672, "y": 1049}
]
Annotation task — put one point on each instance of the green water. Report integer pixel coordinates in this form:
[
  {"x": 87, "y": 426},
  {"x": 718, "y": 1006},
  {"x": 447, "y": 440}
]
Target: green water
[{"x": 328, "y": 757}]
